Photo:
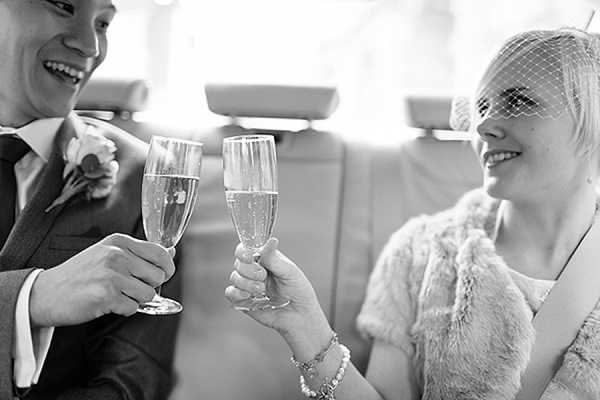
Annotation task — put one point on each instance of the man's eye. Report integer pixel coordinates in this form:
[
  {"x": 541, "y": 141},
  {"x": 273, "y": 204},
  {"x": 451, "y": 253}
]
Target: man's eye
[
  {"x": 64, "y": 6},
  {"x": 103, "y": 25}
]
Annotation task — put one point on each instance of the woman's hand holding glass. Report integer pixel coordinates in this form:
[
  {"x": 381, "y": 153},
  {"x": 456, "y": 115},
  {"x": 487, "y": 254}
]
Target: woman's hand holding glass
[
  {"x": 303, "y": 320},
  {"x": 250, "y": 180}
]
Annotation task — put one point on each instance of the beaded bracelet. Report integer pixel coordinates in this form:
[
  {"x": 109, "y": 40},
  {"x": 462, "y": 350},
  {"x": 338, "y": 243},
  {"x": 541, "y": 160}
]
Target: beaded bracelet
[
  {"x": 327, "y": 391},
  {"x": 309, "y": 366}
]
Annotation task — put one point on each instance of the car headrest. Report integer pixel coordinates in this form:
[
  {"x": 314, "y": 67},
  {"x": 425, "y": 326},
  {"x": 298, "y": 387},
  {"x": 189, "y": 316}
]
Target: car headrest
[
  {"x": 428, "y": 111},
  {"x": 272, "y": 100},
  {"x": 114, "y": 94}
]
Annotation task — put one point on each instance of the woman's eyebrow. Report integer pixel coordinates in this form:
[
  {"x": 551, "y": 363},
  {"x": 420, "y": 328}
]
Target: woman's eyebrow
[{"x": 515, "y": 90}]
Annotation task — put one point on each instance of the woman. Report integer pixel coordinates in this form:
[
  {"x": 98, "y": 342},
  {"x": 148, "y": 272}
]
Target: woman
[{"x": 450, "y": 303}]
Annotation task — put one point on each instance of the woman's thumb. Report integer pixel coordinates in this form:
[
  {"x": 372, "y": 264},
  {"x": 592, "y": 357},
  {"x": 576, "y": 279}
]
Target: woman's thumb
[{"x": 270, "y": 257}]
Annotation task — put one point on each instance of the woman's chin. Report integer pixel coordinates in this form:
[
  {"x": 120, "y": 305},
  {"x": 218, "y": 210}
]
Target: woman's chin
[{"x": 494, "y": 188}]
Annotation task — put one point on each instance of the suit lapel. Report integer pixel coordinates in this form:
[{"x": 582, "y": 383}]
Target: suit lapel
[{"x": 34, "y": 223}]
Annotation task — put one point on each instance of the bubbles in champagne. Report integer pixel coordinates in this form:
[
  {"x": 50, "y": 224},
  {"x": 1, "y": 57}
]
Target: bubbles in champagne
[
  {"x": 253, "y": 215},
  {"x": 167, "y": 205}
]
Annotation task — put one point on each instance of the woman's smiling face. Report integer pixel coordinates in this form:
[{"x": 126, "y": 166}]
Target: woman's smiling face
[
  {"x": 525, "y": 132},
  {"x": 54, "y": 46}
]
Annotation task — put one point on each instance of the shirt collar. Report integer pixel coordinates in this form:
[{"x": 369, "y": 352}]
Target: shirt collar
[{"x": 39, "y": 135}]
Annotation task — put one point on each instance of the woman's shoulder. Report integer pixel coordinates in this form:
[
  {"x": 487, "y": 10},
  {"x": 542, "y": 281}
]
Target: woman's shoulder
[
  {"x": 409, "y": 249},
  {"x": 474, "y": 210}
]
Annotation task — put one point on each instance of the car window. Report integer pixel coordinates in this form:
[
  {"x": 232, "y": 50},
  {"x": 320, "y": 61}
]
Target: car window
[{"x": 375, "y": 51}]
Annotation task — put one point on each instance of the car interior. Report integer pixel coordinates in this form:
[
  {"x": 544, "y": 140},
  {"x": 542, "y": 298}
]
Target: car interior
[
  {"x": 361, "y": 149},
  {"x": 339, "y": 200}
]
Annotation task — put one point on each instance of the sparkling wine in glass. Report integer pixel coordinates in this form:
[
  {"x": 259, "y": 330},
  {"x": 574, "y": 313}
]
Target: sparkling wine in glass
[
  {"x": 169, "y": 191},
  {"x": 250, "y": 179}
]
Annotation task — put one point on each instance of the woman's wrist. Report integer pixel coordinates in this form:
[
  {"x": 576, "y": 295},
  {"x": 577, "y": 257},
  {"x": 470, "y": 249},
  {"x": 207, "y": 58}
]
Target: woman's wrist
[
  {"x": 309, "y": 339},
  {"x": 324, "y": 387},
  {"x": 308, "y": 368},
  {"x": 320, "y": 377}
]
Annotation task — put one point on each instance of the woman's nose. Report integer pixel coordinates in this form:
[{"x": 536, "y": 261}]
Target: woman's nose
[{"x": 490, "y": 128}]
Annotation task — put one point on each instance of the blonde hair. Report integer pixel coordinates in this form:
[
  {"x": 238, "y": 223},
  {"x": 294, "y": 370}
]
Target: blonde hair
[{"x": 575, "y": 54}]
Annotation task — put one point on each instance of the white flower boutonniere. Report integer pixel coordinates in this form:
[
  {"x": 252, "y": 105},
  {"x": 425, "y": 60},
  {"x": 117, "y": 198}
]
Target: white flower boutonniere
[{"x": 90, "y": 168}]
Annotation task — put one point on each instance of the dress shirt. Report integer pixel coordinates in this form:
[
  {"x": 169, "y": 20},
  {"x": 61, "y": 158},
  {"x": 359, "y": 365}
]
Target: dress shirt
[{"x": 31, "y": 345}]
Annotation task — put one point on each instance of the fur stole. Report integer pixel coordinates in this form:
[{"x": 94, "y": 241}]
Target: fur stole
[{"x": 442, "y": 294}]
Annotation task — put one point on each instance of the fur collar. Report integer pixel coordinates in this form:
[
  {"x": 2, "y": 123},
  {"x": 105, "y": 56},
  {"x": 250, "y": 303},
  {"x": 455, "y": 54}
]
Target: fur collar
[{"x": 473, "y": 332}]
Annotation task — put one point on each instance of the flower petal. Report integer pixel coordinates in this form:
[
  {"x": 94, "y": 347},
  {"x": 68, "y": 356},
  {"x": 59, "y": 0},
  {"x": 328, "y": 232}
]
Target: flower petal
[
  {"x": 72, "y": 151},
  {"x": 90, "y": 167}
]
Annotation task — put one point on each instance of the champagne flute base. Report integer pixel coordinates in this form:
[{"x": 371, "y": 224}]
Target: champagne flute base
[
  {"x": 160, "y": 306},
  {"x": 260, "y": 303}
]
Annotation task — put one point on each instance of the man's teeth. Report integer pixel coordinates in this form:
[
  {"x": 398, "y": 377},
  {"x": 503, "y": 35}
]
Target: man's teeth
[
  {"x": 72, "y": 72},
  {"x": 495, "y": 158}
]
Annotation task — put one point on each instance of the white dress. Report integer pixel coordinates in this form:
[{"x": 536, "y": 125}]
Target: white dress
[{"x": 535, "y": 292}]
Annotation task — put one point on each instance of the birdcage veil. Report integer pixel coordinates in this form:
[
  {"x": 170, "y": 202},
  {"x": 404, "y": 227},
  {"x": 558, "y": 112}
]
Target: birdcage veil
[{"x": 543, "y": 73}]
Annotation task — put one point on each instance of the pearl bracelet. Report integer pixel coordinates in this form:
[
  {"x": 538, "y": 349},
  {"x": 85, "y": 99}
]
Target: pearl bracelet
[
  {"x": 327, "y": 391},
  {"x": 309, "y": 367}
]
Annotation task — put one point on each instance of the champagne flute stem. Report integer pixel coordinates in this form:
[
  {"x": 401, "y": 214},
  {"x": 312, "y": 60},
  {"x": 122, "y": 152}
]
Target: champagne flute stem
[
  {"x": 260, "y": 296},
  {"x": 171, "y": 251}
]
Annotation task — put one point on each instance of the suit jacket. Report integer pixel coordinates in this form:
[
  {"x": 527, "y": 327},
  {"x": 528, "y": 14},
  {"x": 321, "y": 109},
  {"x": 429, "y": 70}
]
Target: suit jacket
[{"x": 112, "y": 357}]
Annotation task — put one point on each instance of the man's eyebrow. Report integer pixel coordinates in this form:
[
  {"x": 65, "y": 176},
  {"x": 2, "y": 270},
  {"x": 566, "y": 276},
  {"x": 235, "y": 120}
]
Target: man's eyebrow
[{"x": 111, "y": 8}]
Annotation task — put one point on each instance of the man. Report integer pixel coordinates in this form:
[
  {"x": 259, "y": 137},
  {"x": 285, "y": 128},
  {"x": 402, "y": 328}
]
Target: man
[{"x": 73, "y": 272}]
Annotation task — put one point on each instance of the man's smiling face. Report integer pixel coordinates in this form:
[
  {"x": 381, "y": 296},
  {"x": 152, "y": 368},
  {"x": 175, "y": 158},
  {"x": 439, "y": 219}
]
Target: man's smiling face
[{"x": 49, "y": 50}]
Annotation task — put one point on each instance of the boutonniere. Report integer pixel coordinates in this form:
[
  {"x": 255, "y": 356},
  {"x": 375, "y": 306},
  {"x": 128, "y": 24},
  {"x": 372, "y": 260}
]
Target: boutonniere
[{"x": 90, "y": 168}]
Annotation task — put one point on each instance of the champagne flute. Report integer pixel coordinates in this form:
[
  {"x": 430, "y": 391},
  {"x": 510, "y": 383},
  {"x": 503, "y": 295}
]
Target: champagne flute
[
  {"x": 250, "y": 180},
  {"x": 169, "y": 192}
]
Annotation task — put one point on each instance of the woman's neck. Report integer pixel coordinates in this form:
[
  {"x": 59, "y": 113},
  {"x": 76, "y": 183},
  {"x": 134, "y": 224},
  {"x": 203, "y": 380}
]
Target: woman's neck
[{"x": 538, "y": 239}]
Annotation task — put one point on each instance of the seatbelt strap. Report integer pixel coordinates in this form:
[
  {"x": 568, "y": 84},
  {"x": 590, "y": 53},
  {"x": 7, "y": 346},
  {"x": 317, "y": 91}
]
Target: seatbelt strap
[{"x": 562, "y": 314}]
